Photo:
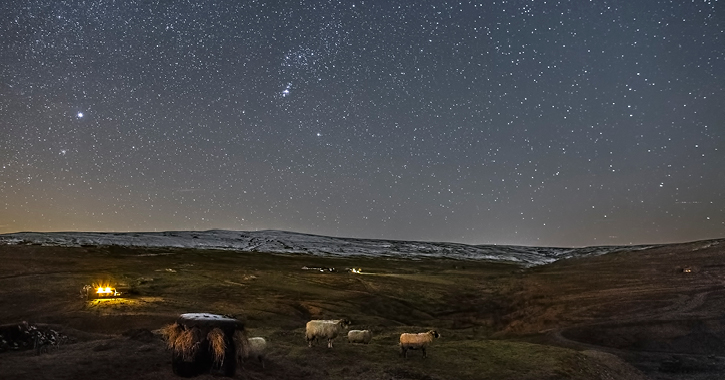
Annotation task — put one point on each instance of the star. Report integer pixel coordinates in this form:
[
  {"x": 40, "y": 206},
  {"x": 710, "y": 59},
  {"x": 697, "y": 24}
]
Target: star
[
  {"x": 286, "y": 91},
  {"x": 443, "y": 122}
]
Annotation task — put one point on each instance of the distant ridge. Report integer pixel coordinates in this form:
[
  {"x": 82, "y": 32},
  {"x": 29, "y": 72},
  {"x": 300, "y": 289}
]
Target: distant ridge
[{"x": 298, "y": 243}]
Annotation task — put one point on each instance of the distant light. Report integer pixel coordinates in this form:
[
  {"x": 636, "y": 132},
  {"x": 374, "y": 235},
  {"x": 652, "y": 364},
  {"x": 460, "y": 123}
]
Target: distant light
[{"x": 80, "y": 115}]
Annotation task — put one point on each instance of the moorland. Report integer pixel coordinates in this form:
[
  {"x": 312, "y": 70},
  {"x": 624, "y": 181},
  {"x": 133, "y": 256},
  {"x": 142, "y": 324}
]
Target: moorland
[{"x": 655, "y": 313}]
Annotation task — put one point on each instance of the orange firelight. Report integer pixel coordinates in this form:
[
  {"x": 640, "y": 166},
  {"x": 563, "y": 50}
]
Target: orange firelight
[{"x": 106, "y": 291}]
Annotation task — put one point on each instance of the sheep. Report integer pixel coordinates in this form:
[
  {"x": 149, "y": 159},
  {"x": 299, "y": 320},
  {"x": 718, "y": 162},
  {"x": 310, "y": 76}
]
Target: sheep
[
  {"x": 359, "y": 336},
  {"x": 326, "y": 329},
  {"x": 257, "y": 349},
  {"x": 418, "y": 341}
]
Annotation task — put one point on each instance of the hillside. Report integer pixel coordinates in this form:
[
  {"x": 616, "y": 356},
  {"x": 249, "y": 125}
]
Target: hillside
[
  {"x": 623, "y": 315},
  {"x": 296, "y": 243}
]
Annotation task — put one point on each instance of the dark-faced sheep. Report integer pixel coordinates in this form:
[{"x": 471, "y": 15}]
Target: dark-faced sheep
[
  {"x": 359, "y": 336},
  {"x": 325, "y": 329},
  {"x": 418, "y": 341}
]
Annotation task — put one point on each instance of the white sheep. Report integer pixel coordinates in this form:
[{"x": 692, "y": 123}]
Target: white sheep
[
  {"x": 325, "y": 329},
  {"x": 257, "y": 349},
  {"x": 359, "y": 336},
  {"x": 418, "y": 341}
]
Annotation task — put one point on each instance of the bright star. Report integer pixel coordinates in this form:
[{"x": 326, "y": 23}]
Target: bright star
[
  {"x": 286, "y": 91},
  {"x": 80, "y": 115}
]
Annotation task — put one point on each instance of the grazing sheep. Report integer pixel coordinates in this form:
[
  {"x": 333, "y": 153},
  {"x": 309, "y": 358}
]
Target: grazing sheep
[
  {"x": 325, "y": 329},
  {"x": 418, "y": 341},
  {"x": 257, "y": 349},
  {"x": 359, "y": 336}
]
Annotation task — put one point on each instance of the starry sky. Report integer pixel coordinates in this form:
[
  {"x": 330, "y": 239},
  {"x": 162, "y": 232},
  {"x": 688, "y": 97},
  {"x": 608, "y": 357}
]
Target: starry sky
[{"x": 548, "y": 123}]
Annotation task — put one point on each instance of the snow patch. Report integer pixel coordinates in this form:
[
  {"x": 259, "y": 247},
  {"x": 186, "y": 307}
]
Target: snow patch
[{"x": 296, "y": 243}]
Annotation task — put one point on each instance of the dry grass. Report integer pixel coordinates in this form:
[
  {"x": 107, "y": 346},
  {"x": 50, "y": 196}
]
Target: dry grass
[
  {"x": 171, "y": 333},
  {"x": 216, "y": 344},
  {"x": 183, "y": 340}
]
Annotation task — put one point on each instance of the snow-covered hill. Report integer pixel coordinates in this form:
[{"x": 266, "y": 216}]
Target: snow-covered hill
[{"x": 296, "y": 243}]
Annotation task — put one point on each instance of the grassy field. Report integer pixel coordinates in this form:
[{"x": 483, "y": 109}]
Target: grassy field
[{"x": 497, "y": 321}]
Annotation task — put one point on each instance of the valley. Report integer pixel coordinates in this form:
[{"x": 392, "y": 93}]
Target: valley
[{"x": 652, "y": 313}]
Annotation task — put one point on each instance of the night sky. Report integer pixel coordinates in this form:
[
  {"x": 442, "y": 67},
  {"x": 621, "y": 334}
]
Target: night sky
[{"x": 548, "y": 123}]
